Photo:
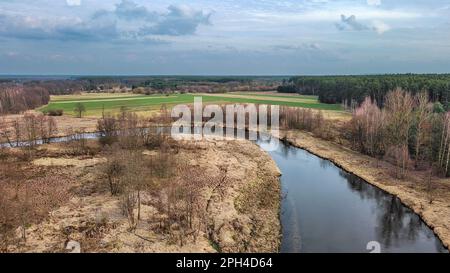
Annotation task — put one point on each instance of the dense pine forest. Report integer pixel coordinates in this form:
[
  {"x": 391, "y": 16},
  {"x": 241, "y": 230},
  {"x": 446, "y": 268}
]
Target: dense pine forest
[{"x": 354, "y": 89}]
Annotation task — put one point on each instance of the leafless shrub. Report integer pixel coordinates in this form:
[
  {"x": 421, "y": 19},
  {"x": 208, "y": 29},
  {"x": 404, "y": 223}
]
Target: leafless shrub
[
  {"x": 129, "y": 133},
  {"x": 128, "y": 173},
  {"x": 164, "y": 162},
  {"x": 114, "y": 169},
  {"x": 55, "y": 112},
  {"x": 108, "y": 127},
  {"x": 128, "y": 205},
  {"x": 182, "y": 202},
  {"x": 305, "y": 119}
]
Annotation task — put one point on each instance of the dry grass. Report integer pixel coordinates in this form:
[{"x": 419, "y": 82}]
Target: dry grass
[{"x": 86, "y": 212}]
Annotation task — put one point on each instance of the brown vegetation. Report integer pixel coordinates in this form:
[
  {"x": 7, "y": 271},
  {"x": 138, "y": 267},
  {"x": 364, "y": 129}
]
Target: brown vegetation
[
  {"x": 18, "y": 98},
  {"x": 27, "y": 196},
  {"x": 142, "y": 190},
  {"x": 29, "y": 128}
]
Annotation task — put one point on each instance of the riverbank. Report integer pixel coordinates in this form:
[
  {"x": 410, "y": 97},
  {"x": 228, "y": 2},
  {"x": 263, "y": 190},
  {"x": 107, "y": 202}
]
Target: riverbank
[
  {"x": 412, "y": 191},
  {"x": 242, "y": 217}
]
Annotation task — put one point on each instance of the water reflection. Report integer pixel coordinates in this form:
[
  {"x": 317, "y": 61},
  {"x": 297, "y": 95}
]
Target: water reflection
[
  {"x": 395, "y": 222},
  {"x": 326, "y": 209}
]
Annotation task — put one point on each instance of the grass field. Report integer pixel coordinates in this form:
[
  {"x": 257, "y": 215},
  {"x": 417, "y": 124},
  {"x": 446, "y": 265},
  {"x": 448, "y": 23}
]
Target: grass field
[{"x": 95, "y": 103}]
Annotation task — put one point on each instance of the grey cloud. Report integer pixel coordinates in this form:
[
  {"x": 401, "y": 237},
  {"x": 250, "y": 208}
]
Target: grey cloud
[
  {"x": 38, "y": 29},
  {"x": 304, "y": 46},
  {"x": 129, "y": 10},
  {"x": 350, "y": 23},
  {"x": 178, "y": 21},
  {"x": 107, "y": 25}
]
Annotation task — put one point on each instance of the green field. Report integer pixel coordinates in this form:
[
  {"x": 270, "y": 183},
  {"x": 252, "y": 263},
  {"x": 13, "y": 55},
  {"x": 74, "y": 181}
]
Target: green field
[
  {"x": 272, "y": 95},
  {"x": 95, "y": 103}
]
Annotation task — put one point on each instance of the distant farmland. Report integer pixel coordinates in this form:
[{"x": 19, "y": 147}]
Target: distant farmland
[{"x": 96, "y": 103}]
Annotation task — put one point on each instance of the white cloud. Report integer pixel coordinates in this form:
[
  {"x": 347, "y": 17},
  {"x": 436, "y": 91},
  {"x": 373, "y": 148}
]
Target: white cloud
[
  {"x": 380, "y": 27},
  {"x": 363, "y": 13},
  {"x": 350, "y": 23},
  {"x": 373, "y": 2},
  {"x": 73, "y": 2}
]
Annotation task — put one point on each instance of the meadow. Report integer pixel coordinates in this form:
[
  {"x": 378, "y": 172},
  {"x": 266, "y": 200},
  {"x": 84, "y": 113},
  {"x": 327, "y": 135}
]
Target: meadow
[{"x": 95, "y": 104}]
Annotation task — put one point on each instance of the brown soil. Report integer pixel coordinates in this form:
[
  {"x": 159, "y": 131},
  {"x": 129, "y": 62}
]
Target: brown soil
[
  {"x": 245, "y": 217},
  {"x": 411, "y": 190}
]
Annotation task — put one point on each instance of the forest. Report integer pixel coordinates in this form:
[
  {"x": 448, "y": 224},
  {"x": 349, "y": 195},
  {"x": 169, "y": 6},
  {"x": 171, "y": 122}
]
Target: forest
[
  {"x": 352, "y": 90},
  {"x": 409, "y": 131},
  {"x": 16, "y": 98},
  {"x": 25, "y": 93}
]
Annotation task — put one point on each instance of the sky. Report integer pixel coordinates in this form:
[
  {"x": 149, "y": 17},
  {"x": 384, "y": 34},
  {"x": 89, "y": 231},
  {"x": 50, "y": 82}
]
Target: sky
[{"x": 226, "y": 37}]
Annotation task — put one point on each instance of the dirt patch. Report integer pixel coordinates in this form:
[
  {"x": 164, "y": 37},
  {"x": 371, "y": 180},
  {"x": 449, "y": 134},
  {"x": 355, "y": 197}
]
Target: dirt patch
[
  {"x": 75, "y": 162},
  {"x": 412, "y": 190}
]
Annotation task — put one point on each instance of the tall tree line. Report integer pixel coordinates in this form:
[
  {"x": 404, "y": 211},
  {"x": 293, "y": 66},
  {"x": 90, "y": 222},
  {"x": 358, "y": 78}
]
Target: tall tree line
[
  {"x": 16, "y": 98},
  {"x": 354, "y": 89}
]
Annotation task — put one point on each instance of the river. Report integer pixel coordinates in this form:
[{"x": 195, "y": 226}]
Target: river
[{"x": 325, "y": 209}]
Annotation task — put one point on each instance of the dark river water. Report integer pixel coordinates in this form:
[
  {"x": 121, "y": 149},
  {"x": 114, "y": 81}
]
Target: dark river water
[{"x": 326, "y": 209}]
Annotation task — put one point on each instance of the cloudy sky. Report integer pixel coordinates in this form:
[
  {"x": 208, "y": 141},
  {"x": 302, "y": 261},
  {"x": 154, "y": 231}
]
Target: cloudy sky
[{"x": 224, "y": 37}]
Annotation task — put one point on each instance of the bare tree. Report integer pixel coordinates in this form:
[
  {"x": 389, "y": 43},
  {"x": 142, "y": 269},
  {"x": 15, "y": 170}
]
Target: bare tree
[
  {"x": 77, "y": 141},
  {"x": 423, "y": 111},
  {"x": 129, "y": 132},
  {"x": 47, "y": 127},
  {"x": 17, "y": 129},
  {"x": 164, "y": 114},
  {"x": 79, "y": 109},
  {"x": 137, "y": 177},
  {"x": 400, "y": 157},
  {"x": 128, "y": 172},
  {"x": 108, "y": 127},
  {"x": 444, "y": 146},
  {"x": 31, "y": 126},
  {"x": 399, "y": 113},
  {"x": 4, "y": 131},
  {"x": 25, "y": 211},
  {"x": 114, "y": 169},
  {"x": 367, "y": 128}
]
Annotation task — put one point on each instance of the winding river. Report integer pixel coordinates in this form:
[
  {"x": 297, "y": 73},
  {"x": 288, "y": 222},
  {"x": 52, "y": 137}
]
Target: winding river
[{"x": 325, "y": 209}]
